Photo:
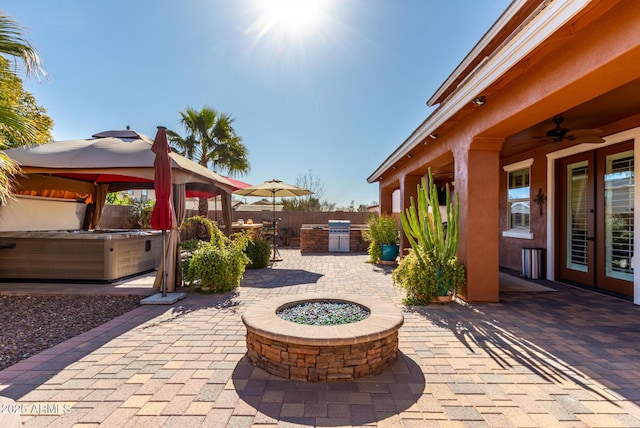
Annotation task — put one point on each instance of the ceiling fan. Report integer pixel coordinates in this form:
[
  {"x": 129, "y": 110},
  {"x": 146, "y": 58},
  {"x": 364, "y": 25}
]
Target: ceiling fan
[{"x": 559, "y": 133}]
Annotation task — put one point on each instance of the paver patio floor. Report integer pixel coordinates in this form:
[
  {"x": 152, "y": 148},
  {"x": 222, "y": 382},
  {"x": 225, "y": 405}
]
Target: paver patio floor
[{"x": 564, "y": 358}]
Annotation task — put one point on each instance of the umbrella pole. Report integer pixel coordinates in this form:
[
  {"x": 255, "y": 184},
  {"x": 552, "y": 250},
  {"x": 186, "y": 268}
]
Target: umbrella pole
[
  {"x": 164, "y": 263},
  {"x": 273, "y": 223}
]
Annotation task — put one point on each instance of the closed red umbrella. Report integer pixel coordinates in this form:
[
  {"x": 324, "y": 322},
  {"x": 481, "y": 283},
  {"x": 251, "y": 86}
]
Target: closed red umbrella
[{"x": 162, "y": 215}]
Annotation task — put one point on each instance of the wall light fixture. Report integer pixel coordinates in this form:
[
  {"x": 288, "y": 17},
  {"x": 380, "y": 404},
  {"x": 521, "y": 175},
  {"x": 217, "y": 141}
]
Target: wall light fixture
[{"x": 479, "y": 101}]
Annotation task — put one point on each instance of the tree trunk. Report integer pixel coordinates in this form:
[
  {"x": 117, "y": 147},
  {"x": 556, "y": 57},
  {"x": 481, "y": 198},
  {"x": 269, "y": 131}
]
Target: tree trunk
[{"x": 203, "y": 211}]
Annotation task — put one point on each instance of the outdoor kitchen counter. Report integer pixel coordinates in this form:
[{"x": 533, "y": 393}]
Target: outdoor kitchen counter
[
  {"x": 359, "y": 227},
  {"x": 314, "y": 238}
]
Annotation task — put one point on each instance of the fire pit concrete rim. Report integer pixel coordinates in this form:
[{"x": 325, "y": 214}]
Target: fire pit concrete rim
[{"x": 262, "y": 319}]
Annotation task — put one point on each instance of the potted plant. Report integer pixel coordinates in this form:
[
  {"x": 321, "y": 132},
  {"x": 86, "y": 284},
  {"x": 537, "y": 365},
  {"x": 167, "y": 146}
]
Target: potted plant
[
  {"x": 434, "y": 244},
  {"x": 384, "y": 238}
]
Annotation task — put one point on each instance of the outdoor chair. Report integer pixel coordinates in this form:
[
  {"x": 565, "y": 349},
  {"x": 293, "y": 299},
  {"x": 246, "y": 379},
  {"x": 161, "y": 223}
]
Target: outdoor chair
[
  {"x": 270, "y": 228},
  {"x": 270, "y": 232}
]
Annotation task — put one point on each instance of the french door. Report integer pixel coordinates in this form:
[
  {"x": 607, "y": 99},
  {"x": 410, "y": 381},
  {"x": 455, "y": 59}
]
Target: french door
[{"x": 596, "y": 218}]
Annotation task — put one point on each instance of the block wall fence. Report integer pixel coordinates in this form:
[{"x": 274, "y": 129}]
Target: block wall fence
[{"x": 117, "y": 217}]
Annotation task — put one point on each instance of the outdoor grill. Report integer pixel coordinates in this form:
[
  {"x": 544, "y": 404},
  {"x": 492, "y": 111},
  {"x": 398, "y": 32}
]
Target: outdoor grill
[{"x": 339, "y": 235}]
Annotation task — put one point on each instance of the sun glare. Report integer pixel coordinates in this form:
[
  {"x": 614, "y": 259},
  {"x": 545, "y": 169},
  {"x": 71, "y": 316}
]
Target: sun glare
[
  {"x": 290, "y": 16},
  {"x": 292, "y": 13},
  {"x": 285, "y": 36}
]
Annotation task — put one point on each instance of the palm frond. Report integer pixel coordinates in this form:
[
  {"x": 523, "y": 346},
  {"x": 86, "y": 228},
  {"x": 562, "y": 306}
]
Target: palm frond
[
  {"x": 20, "y": 128},
  {"x": 13, "y": 43}
]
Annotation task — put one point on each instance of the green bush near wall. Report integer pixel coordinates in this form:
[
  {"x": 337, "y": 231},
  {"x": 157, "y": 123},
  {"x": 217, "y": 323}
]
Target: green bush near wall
[{"x": 259, "y": 252}]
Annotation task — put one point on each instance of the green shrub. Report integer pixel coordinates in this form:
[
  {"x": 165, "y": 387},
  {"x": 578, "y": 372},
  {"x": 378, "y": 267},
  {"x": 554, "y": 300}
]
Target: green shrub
[
  {"x": 215, "y": 235},
  {"x": 140, "y": 213},
  {"x": 119, "y": 198},
  {"x": 259, "y": 252},
  {"x": 218, "y": 269},
  {"x": 412, "y": 277},
  {"x": 216, "y": 265},
  {"x": 423, "y": 282},
  {"x": 189, "y": 247},
  {"x": 375, "y": 251}
]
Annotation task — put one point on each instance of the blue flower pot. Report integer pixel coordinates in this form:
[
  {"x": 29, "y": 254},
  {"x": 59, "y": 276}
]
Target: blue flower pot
[{"x": 389, "y": 253}]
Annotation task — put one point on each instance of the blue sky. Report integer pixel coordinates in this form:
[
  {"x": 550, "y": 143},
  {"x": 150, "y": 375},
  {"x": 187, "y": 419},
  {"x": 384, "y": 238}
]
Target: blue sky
[{"x": 332, "y": 91}]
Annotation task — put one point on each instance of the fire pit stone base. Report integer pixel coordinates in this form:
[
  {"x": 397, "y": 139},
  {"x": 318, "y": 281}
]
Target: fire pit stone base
[{"x": 322, "y": 353}]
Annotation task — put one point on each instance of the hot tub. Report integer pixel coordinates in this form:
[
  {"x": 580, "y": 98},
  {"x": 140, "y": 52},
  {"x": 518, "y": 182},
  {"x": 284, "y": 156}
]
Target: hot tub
[{"x": 78, "y": 255}]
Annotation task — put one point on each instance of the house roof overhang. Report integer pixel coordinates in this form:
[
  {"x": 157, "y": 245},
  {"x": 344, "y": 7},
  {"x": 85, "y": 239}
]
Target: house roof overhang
[{"x": 522, "y": 28}]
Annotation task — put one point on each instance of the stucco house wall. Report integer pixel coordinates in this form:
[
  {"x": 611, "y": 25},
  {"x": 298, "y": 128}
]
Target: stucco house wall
[
  {"x": 510, "y": 247},
  {"x": 576, "y": 59}
]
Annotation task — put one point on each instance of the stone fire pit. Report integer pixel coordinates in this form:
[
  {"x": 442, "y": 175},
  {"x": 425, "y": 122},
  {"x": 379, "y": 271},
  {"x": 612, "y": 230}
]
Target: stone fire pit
[{"x": 322, "y": 353}]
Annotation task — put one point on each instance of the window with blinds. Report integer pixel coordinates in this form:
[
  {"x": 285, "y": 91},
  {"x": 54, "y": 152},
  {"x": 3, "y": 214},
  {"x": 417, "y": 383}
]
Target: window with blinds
[
  {"x": 577, "y": 221},
  {"x": 619, "y": 224}
]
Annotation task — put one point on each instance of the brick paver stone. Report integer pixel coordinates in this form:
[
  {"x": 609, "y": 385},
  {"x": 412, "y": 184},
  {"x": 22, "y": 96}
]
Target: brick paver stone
[{"x": 567, "y": 357}]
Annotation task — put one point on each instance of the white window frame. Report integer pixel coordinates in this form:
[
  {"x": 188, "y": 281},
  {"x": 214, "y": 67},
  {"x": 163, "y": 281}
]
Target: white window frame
[{"x": 518, "y": 233}]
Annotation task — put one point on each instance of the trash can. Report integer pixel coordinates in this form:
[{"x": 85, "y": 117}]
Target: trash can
[{"x": 532, "y": 263}]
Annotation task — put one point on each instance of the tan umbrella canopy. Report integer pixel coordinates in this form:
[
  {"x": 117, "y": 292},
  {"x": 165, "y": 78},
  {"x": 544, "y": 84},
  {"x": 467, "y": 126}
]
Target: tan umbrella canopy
[{"x": 273, "y": 188}]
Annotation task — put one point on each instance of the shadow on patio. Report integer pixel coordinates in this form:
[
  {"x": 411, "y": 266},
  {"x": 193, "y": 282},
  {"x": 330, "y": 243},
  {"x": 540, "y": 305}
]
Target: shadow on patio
[
  {"x": 571, "y": 336},
  {"x": 365, "y": 401}
]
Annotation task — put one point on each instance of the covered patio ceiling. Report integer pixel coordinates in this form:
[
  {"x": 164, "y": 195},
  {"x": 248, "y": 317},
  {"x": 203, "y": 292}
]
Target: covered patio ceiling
[{"x": 609, "y": 113}]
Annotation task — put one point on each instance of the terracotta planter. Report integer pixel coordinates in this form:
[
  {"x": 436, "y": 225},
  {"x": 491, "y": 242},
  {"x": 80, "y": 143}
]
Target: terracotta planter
[{"x": 443, "y": 299}]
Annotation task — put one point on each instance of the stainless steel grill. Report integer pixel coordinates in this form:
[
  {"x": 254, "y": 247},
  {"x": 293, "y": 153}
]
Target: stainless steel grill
[{"x": 339, "y": 235}]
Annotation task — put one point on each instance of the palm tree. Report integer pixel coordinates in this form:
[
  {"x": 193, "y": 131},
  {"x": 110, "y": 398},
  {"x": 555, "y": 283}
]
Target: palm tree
[
  {"x": 13, "y": 44},
  {"x": 212, "y": 142}
]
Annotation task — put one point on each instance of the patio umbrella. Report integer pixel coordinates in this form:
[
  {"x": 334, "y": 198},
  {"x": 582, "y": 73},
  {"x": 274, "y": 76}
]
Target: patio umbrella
[
  {"x": 273, "y": 188},
  {"x": 162, "y": 215}
]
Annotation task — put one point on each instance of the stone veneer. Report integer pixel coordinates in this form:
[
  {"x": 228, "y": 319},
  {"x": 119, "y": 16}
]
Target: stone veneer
[
  {"x": 316, "y": 240},
  {"x": 322, "y": 353}
]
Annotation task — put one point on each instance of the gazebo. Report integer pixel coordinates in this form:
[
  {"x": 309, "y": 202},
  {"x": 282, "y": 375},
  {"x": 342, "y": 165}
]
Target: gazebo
[{"x": 88, "y": 169}]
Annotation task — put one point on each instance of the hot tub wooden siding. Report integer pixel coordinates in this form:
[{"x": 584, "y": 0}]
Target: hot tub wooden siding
[{"x": 78, "y": 255}]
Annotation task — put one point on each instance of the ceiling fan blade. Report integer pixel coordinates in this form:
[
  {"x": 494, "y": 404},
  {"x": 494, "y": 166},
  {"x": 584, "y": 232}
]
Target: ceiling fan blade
[
  {"x": 587, "y": 135},
  {"x": 594, "y": 139},
  {"x": 581, "y": 132}
]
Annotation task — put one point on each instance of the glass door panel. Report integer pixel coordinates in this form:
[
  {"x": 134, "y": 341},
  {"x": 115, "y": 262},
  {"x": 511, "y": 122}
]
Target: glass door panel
[
  {"x": 577, "y": 216},
  {"x": 577, "y": 240},
  {"x": 596, "y": 192},
  {"x": 618, "y": 212}
]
